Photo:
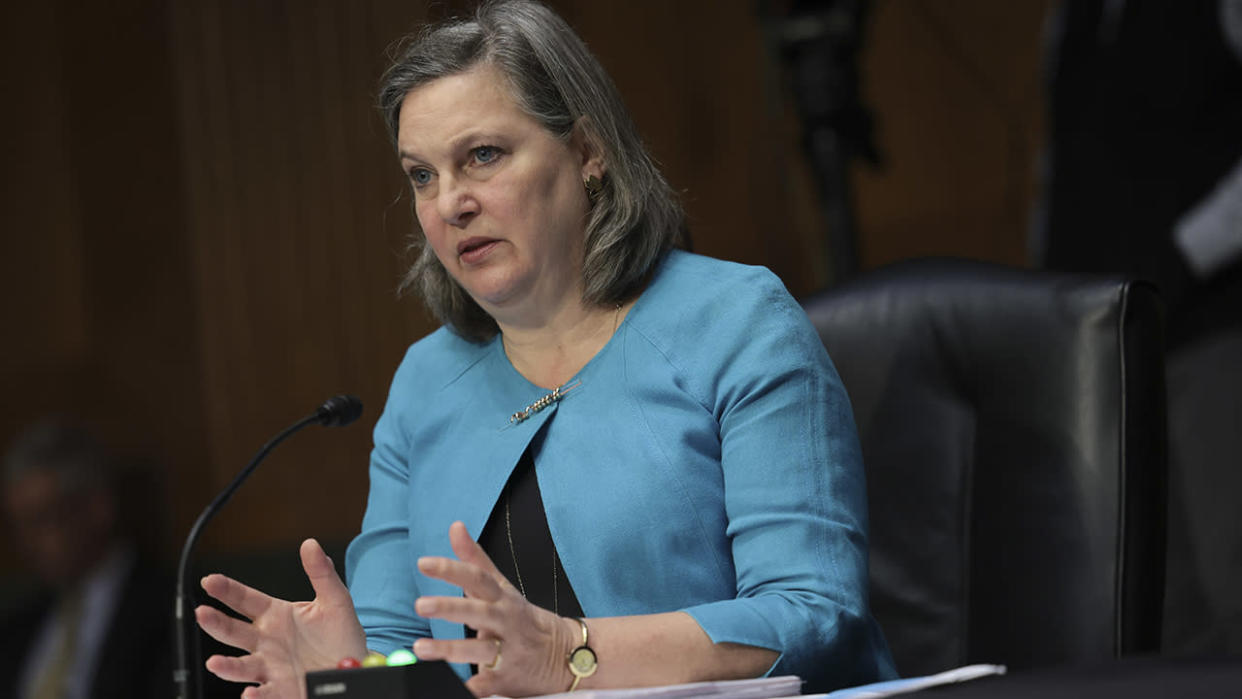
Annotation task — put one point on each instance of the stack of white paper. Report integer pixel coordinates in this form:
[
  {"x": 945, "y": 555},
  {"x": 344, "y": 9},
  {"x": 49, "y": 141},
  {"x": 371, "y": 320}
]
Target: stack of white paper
[
  {"x": 760, "y": 688},
  {"x": 913, "y": 684},
  {"x": 787, "y": 687}
]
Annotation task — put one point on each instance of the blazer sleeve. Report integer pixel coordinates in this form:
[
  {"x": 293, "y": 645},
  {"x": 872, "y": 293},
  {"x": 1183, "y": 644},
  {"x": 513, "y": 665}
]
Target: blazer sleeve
[
  {"x": 378, "y": 563},
  {"x": 794, "y": 495}
]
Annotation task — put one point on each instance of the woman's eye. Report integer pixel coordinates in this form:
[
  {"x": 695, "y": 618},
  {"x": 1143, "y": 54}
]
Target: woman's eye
[
  {"x": 420, "y": 176},
  {"x": 486, "y": 154}
]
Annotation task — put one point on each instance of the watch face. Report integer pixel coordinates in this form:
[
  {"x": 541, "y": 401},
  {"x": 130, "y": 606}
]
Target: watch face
[{"x": 582, "y": 661}]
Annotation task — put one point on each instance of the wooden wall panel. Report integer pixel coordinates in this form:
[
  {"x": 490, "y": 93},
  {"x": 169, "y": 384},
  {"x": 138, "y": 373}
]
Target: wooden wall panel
[
  {"x": 98, "y": 316},
  {"x": 40, "y": 249},
  {"x": 293, "y": 208},
  {"x": 43, "y": 315},
  {"x": 955, "y": 85}
]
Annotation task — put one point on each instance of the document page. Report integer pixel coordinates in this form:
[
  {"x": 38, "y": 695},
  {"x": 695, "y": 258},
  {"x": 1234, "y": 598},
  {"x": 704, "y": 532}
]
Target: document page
[{"x": 759, "y": 688}]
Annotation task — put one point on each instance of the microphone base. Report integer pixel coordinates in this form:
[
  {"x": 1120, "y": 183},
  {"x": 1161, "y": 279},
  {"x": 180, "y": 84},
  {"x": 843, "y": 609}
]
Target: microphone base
[{"x": 432, "y": 679}]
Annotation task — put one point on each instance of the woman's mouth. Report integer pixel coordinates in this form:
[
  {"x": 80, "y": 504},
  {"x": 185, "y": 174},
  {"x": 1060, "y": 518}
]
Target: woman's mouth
[{"x": 473, "y": 250}]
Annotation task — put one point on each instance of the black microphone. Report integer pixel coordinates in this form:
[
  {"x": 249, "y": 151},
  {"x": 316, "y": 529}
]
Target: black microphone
[{"x": 337, "y": 411}]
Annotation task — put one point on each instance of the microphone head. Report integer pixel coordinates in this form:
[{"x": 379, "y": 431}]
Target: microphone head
[{"x": 339, "y": 411}]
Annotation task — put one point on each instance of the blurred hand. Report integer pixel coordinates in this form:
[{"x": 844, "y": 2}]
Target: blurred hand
[
  {"x": 284, "y": 639},
  {"x": 532, "y": 642}
]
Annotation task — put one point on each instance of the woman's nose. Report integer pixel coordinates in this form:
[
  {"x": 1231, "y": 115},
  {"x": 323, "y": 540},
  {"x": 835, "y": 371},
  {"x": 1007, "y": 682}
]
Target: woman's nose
[{"x": 457, "y": 203}]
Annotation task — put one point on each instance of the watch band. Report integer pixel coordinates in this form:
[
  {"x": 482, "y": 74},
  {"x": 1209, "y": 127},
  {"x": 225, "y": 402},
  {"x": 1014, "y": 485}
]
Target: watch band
[{"x": 582, "y": 660}]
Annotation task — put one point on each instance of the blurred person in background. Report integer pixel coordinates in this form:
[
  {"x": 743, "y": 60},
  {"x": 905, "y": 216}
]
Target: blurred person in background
[
  {"x": 1144, "y": 179},
  {"x": 98, "y": 626}
]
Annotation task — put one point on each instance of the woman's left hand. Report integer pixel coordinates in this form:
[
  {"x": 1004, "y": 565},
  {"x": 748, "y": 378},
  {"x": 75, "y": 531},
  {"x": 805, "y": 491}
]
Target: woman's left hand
[{"x": 520, "y": 649}]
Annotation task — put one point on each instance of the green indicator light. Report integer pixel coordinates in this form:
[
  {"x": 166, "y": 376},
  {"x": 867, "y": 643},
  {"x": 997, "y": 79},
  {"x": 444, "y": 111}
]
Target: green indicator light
[{"x": 401, "y": 657}]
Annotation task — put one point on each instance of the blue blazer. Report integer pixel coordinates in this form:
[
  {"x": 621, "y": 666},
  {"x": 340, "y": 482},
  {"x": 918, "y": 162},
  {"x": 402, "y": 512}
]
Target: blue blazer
[{"x": 705, "y": 460}]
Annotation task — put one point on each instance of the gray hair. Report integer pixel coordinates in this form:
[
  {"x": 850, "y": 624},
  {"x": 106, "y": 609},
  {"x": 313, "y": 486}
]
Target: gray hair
[
  {"x": 554, "y": 78},
  {"x": 59, "y": 446}
]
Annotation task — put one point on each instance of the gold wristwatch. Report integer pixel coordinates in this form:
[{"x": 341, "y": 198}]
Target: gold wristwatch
[{"x": 582, "y": 660}]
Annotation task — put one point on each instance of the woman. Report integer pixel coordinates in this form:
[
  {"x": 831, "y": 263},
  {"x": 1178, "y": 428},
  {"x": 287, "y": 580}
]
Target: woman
[{"x": 653, "y": 447}]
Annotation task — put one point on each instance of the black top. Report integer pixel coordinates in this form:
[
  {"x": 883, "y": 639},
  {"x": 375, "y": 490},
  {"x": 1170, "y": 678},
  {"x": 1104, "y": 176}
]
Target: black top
[{"x": 517, "y": 539}]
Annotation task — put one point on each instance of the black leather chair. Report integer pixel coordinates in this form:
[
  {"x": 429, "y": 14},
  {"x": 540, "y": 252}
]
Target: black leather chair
[{"x": 1013, "y": 430}]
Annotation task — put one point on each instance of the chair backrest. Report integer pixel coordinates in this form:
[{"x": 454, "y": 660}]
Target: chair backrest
[{"x": 1013, "y": 430}]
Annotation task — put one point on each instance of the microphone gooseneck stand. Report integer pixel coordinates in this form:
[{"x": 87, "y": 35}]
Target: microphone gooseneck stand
[
  {"x": 820, "y": 42},
  {"x": 336, "y": 411}
]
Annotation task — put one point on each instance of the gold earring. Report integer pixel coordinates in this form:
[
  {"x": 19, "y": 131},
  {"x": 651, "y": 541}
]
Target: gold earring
[{"x": 593, "y": 188}]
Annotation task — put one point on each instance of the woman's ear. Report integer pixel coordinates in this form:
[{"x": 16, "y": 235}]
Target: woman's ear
[{"x": 586, "y": 146}]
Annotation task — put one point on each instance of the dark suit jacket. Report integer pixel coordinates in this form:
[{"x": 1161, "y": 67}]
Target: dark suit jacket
[{"x": 135, "y": 655}]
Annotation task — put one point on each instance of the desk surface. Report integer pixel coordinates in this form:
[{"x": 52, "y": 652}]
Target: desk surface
[{"x": 1134, "y": 678}]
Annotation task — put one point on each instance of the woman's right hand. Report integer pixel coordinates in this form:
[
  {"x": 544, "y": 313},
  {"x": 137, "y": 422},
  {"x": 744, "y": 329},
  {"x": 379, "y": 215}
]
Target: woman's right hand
[{"x": 284, "y": 640}]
